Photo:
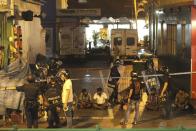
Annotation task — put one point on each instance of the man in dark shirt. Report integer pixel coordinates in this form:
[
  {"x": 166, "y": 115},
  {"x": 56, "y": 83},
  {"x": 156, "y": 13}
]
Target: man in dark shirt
[
  {"x": 135, "y": 96},
  {"x": 31, "y": 104},
  {"x": 167, "y": 95},
  {"x": 113, "y": 82},
  {"x": 84, "y": 100},
  {"x": 53, "y": 100}
]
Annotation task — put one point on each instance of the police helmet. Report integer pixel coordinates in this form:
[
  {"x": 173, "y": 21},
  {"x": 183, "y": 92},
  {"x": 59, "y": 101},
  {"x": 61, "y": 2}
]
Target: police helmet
[
  {"x": 149, "y": 63},
  {"x": 165, "y": 69},
  {"x": 52, "y": 79},
  {"x": 166, "y": 72},
  {"x": 134, "y": 75},
  {"x": 64, "y": 72},
  {"x": 117, "y": 62}
]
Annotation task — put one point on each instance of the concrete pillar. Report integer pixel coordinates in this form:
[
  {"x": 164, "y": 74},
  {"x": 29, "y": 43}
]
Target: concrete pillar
[{"x": 193, "y": 51}]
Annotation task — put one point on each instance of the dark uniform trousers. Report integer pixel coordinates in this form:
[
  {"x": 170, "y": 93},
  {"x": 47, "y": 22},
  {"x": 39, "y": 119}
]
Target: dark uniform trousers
[
  {"x": 113, "y": 99},
  {"x": 53, "y": 116},
  {"x": 114, "y": 78},
  {"x": 31, "y": 111}
]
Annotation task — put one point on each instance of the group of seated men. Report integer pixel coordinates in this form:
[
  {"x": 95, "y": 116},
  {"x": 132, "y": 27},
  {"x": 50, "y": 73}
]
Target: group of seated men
[{"x": 99, "y": 101}]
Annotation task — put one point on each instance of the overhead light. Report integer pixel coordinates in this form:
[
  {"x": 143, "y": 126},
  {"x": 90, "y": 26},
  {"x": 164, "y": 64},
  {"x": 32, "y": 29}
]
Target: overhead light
[
  {"x": 159, "y": 12},
  {"x": 82, "y": 1}
]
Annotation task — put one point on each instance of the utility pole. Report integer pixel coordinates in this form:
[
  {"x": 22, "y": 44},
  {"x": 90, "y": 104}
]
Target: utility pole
[
  {"x": 135, "y": 10},
  {"x": 154, "y": 24}
]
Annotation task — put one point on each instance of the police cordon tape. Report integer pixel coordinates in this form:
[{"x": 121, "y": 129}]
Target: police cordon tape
[
  {"x": 97, "y": 78},
  {"x": 141, "y": 76}
]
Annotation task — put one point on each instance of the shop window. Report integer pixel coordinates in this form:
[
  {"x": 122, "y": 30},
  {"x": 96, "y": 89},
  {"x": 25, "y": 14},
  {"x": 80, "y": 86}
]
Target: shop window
[
  {"x": 130, "y": 41},
  {"x": 171, "y": 38},
  {"x": 118, "y": 41}
]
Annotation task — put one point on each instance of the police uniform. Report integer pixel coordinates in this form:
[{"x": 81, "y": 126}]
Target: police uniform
[
  {"x": 135, "y": 98},
  {"x": 168, "y": 98},
  {"x": 113, "y": 83},
  {"x": 53, "y": 98},
  {"x": 31, "y": 104}
]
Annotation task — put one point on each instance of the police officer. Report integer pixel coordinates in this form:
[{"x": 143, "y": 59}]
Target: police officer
[
  {"x": 167, "y": 94},
  {"x": 67, "y": 96},
  {"x": 31, "y": 105},
  {"x": 113, "y": 82},
  {"x": 134, "y": 99},
  {"x": 53, "y": 100}
]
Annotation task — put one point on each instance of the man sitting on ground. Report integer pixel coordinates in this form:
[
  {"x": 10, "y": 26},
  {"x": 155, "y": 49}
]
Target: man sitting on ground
[
  {"x": 84, "y": 100},
  {"x": 100, "y": 99},
  {"x": 182, "y": 101}
]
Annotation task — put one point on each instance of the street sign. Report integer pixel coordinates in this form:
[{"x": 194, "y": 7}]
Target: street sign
[{"x": 79, "y": 12}]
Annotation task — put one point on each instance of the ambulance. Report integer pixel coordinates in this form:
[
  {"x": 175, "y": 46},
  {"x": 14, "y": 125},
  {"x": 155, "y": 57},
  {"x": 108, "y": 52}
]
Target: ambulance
[{"x": 124, "y": 44}]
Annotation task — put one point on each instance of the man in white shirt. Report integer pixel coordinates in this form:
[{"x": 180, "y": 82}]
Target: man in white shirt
[
  {"x": 100, "y": 99},
  {"x": 67, "y": 96}
]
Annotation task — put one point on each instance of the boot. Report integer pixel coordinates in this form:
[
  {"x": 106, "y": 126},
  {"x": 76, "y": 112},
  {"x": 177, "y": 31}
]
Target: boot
[{"x": 69, "y": 122}]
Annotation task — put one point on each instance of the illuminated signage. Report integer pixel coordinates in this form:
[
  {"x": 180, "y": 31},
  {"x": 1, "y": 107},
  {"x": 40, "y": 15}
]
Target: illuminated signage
[
  {"x": 79, "y": 12},
  {"x": 3, "y": 3}
]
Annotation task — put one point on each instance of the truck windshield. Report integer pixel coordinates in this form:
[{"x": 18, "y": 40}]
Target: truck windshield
[
  {"x": 117, "y": 40},
  {"x": 130, "y": 41}
]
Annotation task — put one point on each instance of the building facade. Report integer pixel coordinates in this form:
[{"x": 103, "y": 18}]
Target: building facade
[{"x": 174, "y": 40}]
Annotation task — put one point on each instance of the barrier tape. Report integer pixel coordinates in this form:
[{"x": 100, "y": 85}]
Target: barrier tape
[
  {"x": 141, "y": 76},
  {"x": 106, "y": 78}
]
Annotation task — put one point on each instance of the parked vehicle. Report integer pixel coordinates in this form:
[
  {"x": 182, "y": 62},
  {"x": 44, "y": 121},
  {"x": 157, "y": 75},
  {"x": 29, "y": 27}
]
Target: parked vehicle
[
  {"x": 72, "y": 41},
  {"x": 124, "y": 44}
]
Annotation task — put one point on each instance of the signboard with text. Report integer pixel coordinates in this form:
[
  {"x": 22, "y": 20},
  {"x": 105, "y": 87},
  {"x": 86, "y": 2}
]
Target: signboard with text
[{"x": 79, "y": 12}]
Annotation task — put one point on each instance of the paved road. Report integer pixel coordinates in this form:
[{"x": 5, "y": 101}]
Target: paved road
[{"x": 96, "y": 76}]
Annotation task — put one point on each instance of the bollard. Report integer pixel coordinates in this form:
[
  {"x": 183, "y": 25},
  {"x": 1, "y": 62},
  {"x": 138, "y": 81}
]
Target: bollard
[
  {"x": 15, "y": 128},
  {"x": 98, "y": 128},
  {"x": 181, "y": 128},
  {"x": 162, "y": 124}
]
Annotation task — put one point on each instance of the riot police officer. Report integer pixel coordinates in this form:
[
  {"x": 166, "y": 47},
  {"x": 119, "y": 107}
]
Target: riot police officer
[
  {"x": 113, "y": 82},
  {"x": 31, "y": 105},
  {"x": 167, "y": 94},
  {"x": 53, "y": 100},
  {"x": 135, "y": 96}
]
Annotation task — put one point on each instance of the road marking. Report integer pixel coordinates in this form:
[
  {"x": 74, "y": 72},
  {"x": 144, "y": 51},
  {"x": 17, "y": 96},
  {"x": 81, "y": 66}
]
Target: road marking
[
  {"x": 92, "y": 117},
  {"x": 111, "y": 114},
  {"x": 102, "y": 78},
  {"x": 110, "y": 111}
]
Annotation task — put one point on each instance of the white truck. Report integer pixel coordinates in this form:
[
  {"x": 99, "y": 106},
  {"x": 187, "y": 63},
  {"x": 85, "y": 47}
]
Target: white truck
[
  {"x": 72, "y": 41},
  {"x": 124, "y": 43}
]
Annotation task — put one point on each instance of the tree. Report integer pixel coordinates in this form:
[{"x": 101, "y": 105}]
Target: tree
[{"x": 95, "y": 37}]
